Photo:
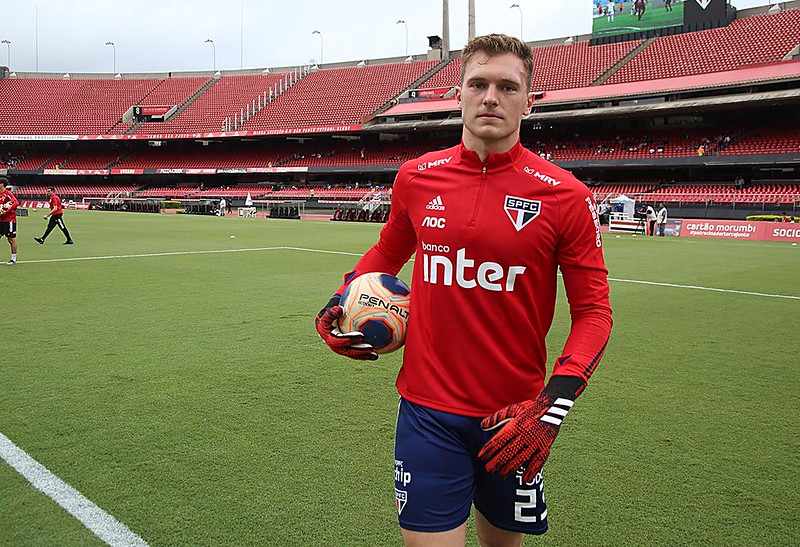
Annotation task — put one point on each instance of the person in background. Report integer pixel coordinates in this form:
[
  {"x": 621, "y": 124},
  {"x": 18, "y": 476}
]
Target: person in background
[
  {"x": 651, "y": 220},
  {"x": 8, "y": 218},
  {"x": 661, "y": 219},
  {"x": 55, "y": 217}
]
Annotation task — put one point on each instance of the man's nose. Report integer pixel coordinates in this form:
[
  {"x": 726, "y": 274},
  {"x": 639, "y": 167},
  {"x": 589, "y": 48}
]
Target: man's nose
[{"x": 490, "y": 97}]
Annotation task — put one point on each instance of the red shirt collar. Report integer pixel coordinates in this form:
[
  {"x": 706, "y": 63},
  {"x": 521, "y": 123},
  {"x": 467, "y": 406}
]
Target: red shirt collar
[{"x": 502, "y": 159}]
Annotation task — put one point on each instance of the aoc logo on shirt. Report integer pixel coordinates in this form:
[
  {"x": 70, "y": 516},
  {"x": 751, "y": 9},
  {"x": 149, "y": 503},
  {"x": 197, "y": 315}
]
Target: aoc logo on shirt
[{"x": 521, "y": 211}]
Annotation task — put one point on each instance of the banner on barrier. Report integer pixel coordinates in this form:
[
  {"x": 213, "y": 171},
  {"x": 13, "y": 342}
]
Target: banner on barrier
[{"x": 739, "y": 229}]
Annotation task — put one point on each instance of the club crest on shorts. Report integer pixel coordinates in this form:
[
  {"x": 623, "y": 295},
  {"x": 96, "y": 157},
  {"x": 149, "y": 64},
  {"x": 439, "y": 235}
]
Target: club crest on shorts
[
  {"x": 401, "y": 496},
  {"x": 521, "y": 211}
]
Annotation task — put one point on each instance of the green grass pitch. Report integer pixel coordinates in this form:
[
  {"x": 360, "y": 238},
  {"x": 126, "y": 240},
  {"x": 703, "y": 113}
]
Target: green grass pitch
[{"x": 189, "y": 396}]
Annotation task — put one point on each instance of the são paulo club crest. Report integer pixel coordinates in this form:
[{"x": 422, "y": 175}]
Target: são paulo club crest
[
  {"x": 400, "y": 496},
  {"x": 521, "y": 211}
]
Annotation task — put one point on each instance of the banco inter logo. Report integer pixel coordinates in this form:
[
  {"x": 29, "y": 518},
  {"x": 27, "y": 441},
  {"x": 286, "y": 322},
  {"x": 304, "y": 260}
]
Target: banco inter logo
[{"x": 521, "y": 211}]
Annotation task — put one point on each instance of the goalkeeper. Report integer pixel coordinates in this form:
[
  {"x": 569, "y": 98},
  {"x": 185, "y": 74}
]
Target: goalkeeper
[{"x": 491, "y": 224}]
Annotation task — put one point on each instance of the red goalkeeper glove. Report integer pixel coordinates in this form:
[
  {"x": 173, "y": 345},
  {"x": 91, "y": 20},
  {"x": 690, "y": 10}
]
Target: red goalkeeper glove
[
  {"x": 349, "y": 344},
  {"x": 528, "y": 429}
]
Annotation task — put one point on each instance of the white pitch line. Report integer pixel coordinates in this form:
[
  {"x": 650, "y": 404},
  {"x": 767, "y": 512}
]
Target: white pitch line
[
  {"x": 100, "y": 523},
  {"x": 698, "y": 288},
  {"x": 345, "y": 253},
  {"x": 147, "y": 255}
]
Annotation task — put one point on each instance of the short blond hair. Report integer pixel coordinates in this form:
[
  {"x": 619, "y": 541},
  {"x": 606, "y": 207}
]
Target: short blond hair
[{"x": 498, "y": 44}]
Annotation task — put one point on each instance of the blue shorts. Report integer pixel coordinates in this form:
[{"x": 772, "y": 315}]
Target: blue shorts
[{"x": 438, "y": 476}]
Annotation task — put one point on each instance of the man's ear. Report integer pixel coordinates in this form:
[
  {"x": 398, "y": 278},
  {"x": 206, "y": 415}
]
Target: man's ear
[
  {"x": 458, "y": 95},
  {"x": 529, "y": 105}
]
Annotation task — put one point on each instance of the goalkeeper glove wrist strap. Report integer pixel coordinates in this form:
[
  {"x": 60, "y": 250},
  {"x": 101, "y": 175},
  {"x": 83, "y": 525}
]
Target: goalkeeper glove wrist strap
[{"x": 560, "y": 392}]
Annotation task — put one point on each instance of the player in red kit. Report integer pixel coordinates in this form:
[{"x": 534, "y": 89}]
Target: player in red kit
[
  {"x": 55, "y": 217},
  {"x": 491, "y": 224},
  {"x": 8, "y": 218}
]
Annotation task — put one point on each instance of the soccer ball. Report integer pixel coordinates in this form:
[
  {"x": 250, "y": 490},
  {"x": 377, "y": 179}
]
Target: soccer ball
[{"x": 376, "y": 304}]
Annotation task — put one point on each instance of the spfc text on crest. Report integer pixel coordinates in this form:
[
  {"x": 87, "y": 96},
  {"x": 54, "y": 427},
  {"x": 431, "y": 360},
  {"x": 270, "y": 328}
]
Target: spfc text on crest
[{"x": 521, "y": 211}]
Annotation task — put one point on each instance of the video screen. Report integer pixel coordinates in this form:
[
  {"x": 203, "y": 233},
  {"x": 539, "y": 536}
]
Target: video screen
[{"x": 610, "y": 18}]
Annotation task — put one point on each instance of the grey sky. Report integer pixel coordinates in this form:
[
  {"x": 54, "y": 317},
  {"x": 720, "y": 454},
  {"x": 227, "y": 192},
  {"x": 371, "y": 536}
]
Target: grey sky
[{"x": 170, "y": 35}]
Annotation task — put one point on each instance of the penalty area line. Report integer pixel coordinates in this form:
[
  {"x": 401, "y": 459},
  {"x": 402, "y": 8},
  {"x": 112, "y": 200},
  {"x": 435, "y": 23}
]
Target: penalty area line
[
  {"x": 148, "y": 255},
  {"x": 346, "y": 253},
  {"x": 99, "y": 522},
  {"x": 699, "y": 288},
  {"x": 182, "y": 253}
]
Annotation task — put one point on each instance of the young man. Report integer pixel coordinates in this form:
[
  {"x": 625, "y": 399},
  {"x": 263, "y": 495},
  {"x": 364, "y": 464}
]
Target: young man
[
  {"x": 8, "y": 218},
  {"x": 651, "y": 220},
  {"x": 491, "y": 223},
  {"x": 55, "y": 218},
  {"x": 661, "y": 219}
]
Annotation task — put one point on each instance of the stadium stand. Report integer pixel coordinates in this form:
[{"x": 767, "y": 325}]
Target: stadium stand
[
  {"x": 167, "y": 192},
  {"x": 778, "y": 194},
  {"x": 554, "y": 67},
  {"x": 169, "y": 91},
  {"x": 245, "y": 155},
  {"x": 666, "y": 143},
  {"x": 753, "y": 40},
  {"x": 224, "y": 99},
  {"x": 76, "y": 191},
  {"x": 33, "y": 160},
  {"x": 239, "y": 191},
  {"x": 609, "y": 190},
  {"x": 67, "y": 107},
  {"x": 781, "y": 138},
  {"x": 338, "y": 96}
]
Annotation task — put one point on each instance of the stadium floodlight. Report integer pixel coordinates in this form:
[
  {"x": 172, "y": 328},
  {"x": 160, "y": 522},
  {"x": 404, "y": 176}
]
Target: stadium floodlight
[
  {"x": 320, "y": 44},
  {"x": 405, "y": 25},
  {"x": 8, "y": 54},
  {"x": 115, "y": 55},
  {"x": 520, "y": 19},
  {"x": 213, "y": 52}
]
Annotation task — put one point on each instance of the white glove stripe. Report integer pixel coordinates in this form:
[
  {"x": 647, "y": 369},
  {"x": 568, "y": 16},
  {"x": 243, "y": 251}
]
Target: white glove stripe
[
  {"x": 558, "y": 411},
  {"x": 550, "y": 420},
  {"x": 361, "y": 346},
  {"x": 561, "y": 401}
]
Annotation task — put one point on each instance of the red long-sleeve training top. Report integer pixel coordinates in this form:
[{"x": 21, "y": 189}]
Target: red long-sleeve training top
[{"x": 489, "y": 239}]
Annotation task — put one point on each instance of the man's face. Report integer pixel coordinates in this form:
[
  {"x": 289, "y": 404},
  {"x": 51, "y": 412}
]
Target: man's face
[
  {"x": 493, "y": 98},
  {"x": 49, "y": 192}
]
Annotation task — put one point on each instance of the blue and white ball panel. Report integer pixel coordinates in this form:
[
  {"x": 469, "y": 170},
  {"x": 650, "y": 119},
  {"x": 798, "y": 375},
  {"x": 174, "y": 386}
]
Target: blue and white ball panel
[
  {"x": 377, "y": 332},
  {"x": 395, "y": 285}
]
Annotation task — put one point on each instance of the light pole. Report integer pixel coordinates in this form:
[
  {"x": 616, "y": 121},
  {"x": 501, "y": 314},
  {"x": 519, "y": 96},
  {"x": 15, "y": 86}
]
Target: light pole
[
  {"x": 320, "y": 44},
  {"x": 115, "y": 54},
  {"x": 405, "y": 25},
  {"x": 213, "y": 52},
  {"x": 8, "y": 45},
  {"x": 520, "y": 19}
]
